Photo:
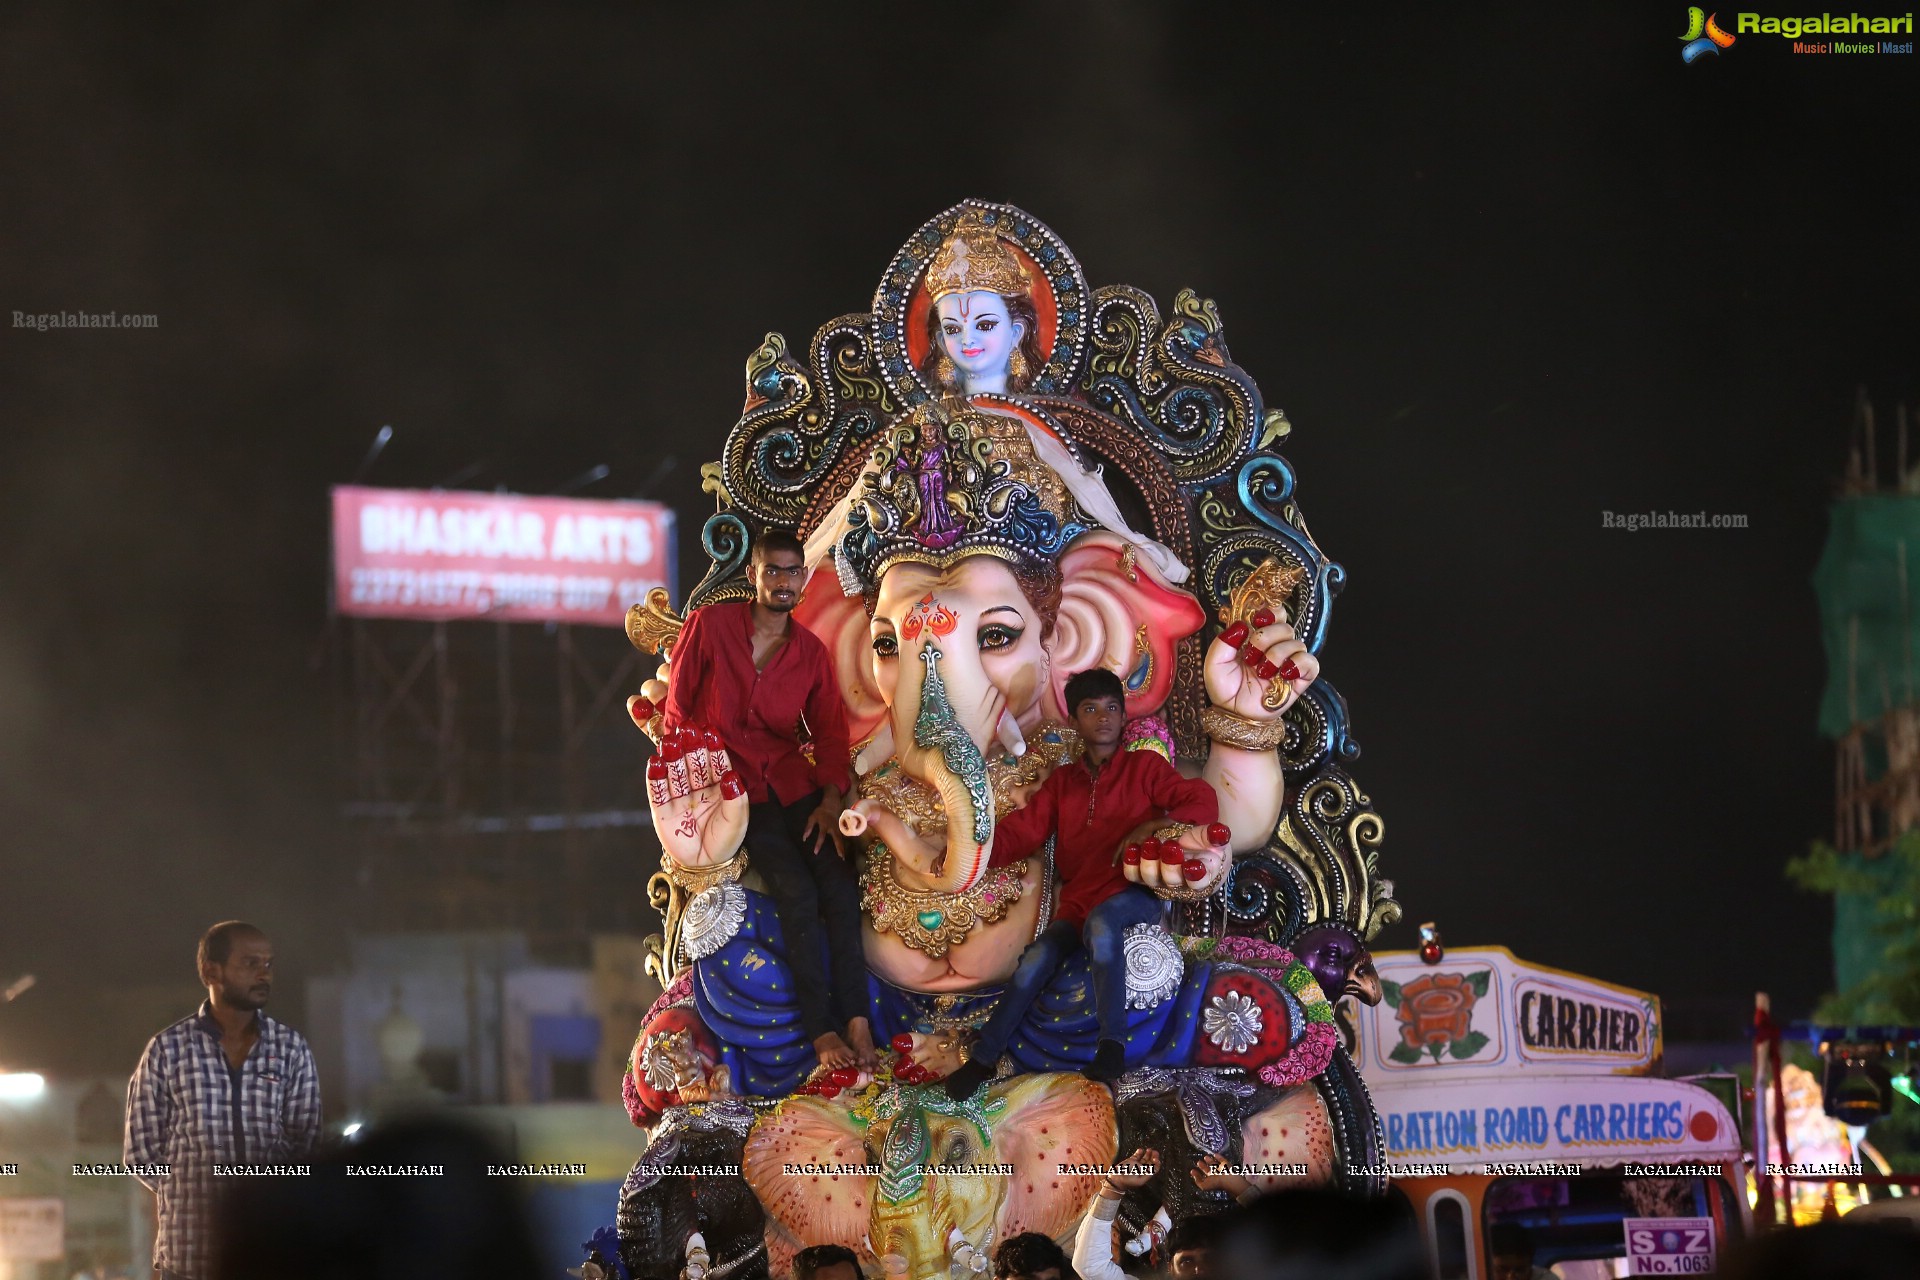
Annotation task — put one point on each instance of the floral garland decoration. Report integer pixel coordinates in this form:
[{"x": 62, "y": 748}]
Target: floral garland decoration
[
  {"x": 1148, "y": 733},
  {"x": 1309, "y": 1055}
]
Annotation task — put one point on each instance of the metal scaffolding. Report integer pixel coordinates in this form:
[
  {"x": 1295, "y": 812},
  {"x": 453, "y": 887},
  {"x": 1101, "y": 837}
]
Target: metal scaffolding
[
  {"x": 1871, "y": 707},
  {"x": 493, "y": 778}
]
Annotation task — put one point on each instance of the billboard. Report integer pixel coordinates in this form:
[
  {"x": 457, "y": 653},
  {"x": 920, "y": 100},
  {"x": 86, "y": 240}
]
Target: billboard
[
  {"x": 1484, "y": 1010},
  {"x": 1471, "y": 1125},
  {"x": 442, "y": 554}
]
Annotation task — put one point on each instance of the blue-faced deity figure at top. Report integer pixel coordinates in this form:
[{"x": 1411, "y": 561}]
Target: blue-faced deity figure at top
[{"x": 982, "y": 330}]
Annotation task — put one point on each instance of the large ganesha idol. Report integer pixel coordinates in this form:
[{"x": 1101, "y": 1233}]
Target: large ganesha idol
[{"x": 1001, "y": 479}]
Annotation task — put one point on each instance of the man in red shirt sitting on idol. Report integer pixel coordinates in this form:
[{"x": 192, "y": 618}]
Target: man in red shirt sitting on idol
[
  {"x": 1094, "y": 807},
  {"x": 750, "y": 673}
]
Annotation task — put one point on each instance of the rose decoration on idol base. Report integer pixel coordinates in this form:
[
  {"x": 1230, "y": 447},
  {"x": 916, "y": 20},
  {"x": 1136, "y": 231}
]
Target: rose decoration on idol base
[{"x": 1435, "y": 1013}]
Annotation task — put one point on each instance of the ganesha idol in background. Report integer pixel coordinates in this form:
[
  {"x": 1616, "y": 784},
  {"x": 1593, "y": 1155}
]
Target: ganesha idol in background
[{"x": 1003, "y": 478}]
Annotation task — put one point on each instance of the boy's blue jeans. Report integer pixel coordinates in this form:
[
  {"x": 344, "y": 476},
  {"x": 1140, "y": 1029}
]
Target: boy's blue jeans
[{"x": 1104, "y": 937}]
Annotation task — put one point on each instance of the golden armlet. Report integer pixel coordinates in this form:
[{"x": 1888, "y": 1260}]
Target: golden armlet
[{"x": 1236, "y": 730}]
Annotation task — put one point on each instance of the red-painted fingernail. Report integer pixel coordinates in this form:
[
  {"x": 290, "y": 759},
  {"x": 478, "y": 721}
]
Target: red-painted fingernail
[
  {"x": 902, "y": 1043},
  {"x": 1234, "y": 636},
  {"x": 1263, "y": 617},
  {"x": 1195, "y": 869},
  {"x": 1265, "y": 670},
  {"x": 1288, "y": 671},
  {"x": 1172, "y": 854},
  {"x": 641, "y": 710},
  {"x": 1132, "y": 855},
  {"x": 1251, "y": 654},
  {"x": 710, "y": 740},
  {"x": 1218, "y": 833},
  {"x": 670, "y": 749},
  {"x": 731, "y": 787}
]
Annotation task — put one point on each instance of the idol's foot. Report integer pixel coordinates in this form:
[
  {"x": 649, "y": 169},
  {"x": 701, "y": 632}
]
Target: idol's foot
[
  {"x": 961, "y": 1084},
  {"x": 1109, "y": 1062},
  {"x": 860, "y": 1033},
  {"x": 833, "y": 1051}
]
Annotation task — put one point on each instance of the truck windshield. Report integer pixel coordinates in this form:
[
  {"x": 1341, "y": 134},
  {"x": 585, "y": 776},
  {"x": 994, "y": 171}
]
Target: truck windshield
[{"x": 1574, "y": 1228}]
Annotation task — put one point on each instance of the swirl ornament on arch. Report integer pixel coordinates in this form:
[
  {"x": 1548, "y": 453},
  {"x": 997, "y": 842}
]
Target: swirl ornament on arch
[{"x": 994, "y": 440}]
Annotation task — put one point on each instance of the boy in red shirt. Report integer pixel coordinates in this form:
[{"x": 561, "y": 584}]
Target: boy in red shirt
[{"x": 1093, "y": 807}]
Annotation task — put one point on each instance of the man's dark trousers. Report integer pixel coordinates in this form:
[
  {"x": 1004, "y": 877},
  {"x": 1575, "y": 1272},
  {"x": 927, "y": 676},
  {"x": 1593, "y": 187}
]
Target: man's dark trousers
[{"x": 812, "y": 891}]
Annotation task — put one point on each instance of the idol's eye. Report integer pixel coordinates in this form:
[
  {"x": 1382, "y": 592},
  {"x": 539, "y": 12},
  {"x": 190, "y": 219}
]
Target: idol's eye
[
  {"x": 886, "y": 646},
  {"x": 996, "y": 636},
  {"x": 950, "y": 328},
  {"x": 988, "y": 324}
]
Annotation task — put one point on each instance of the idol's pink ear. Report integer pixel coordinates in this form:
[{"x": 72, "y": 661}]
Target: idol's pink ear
[
  {"x": 841, "y": 623},
  {"x": 828, "y": 1208},
  {"x": 1051, "y": 1123},
  {"x": 1117, "y": 612}
]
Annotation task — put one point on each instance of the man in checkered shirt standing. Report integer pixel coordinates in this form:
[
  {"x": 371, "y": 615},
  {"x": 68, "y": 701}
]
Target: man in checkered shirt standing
[{"x": 227, "y": 1086}]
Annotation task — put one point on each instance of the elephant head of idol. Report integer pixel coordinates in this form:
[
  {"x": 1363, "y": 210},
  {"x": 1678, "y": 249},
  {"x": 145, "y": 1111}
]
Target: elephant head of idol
[{"x": 974, "y": 582}]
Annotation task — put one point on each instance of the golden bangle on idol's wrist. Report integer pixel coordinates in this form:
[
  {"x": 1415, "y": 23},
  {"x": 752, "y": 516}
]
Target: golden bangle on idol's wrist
[
  {"x": 1234, "y": 730},
  {"x": 699, "y": 879}
]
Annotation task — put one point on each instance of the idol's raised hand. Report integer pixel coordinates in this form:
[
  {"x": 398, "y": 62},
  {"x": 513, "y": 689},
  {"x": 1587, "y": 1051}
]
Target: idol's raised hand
[
  {"x": 699, "y": 803},
  {"x": 1257, "y": 667}
]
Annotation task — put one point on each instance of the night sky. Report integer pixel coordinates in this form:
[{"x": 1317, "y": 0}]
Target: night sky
[{"x": 1503, "y": 273}]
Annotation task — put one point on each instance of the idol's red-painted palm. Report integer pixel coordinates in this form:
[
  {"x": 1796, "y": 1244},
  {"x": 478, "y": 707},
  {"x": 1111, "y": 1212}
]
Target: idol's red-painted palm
[{"x": 699, "y": 803}]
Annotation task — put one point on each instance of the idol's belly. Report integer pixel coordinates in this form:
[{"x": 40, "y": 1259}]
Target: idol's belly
[{"x": 986, "y": 958}]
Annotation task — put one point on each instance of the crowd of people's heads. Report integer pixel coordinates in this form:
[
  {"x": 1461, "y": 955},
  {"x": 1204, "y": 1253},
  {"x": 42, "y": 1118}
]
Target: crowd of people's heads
[
  {"x": 1292, "y": 1236},
  {"x": 331, "y": 1226},
  {"x": 1844, "y": 1250},
  {"x": 1316, "y": 1235},
  {"x": 335, "y": 1228},
  {"x": 826, "y": 1262},
  {"x": 1031, "y": 1256}
]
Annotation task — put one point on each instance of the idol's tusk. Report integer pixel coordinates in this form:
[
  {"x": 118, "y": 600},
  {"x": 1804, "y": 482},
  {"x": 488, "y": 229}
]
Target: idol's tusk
[
  {"x": 1008, "y": 731},
  {"x": 878, "y": 751}
]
